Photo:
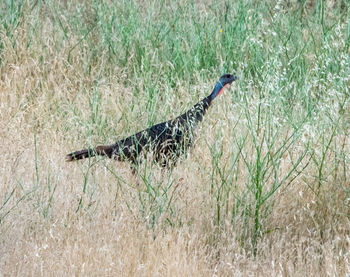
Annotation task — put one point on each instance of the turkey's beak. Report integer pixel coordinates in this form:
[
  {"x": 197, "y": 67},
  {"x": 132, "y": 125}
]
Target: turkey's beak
[{"x": 234, "y": 78}]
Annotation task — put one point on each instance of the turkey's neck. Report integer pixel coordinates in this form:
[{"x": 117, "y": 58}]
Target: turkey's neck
[
  {"x": 201, "y": 107},
  {"x": 197, "y": 112}
]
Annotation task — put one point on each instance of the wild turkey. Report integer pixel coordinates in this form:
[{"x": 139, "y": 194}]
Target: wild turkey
[{"x": 166, "y": 140}]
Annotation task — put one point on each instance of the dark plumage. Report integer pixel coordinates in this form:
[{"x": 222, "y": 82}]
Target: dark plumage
[{"x": 166, "y": 140}]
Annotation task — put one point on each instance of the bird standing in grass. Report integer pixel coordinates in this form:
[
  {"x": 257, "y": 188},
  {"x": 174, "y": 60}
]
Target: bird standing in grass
[{"x": 166, "y": 140}]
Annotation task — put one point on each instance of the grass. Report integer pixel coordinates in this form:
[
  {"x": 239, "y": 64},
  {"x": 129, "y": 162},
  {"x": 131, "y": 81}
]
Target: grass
[{"x": 265, "y": 190}]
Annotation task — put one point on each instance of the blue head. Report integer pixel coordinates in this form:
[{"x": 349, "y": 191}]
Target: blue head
[{"x": 224, "y": 81}]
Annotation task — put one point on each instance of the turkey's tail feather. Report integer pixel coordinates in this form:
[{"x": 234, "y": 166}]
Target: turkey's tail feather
[
  {"x": 82, "y": 154},
  {"x": 102, "y": 150}
]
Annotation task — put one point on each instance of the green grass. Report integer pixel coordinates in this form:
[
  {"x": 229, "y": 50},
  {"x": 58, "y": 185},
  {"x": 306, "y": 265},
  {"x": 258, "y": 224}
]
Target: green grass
[{"x": 269, "y": 167}]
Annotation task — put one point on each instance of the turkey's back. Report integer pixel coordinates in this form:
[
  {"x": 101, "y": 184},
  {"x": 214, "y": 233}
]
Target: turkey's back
[{"x": 166, "y": 141}]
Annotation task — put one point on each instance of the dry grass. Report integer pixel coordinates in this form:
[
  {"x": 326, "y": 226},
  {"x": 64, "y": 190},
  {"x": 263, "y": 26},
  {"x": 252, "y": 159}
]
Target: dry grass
[{"x": 94, "y": 218}]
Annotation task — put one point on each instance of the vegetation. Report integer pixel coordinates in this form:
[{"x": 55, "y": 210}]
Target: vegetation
[{"x": 264, "y": 191}]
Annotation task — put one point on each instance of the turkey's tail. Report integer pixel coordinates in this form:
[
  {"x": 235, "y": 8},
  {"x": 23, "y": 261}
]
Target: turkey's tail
[
  {"x": 82, "y": 154},
  {"x": 102, "y": 150}
]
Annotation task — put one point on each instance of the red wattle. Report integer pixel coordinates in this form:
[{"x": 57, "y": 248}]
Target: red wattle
[{"x": 221, "y": 90}]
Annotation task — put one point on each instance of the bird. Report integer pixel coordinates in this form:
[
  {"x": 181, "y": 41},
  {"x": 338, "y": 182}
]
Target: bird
[{"x": 167, "y": 141}]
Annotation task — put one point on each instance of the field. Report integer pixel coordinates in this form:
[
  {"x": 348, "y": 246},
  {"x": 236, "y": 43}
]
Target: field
[{"x": 265, "y": 191}]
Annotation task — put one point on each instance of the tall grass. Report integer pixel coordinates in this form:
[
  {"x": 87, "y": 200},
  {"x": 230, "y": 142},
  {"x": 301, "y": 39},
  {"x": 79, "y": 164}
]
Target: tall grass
[{"x": 265, "y": 189}]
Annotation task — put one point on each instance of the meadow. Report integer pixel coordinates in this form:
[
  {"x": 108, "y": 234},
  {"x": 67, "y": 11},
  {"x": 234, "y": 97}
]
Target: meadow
[{"x": 265, "y": 190}]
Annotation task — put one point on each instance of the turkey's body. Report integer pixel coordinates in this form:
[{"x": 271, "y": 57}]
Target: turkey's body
[{"x": 167, "y": 141}]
